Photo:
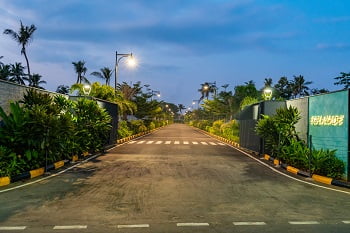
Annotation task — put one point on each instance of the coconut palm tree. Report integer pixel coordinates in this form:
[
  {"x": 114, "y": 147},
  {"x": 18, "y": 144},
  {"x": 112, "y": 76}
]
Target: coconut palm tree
[
  {"x": 34, "y": 81},
  {"x": 80, "y": 69},
  {"x": 5, "y": 72},
  {"x": 268, "y": 82},
  {"x": 23, "y": 37},
  {"x": 181, "y": 107},
  {"x": 63, "y": 89},
  {"x": 105, "y": 73},
  {"x": 17, "y": 73},
  {"x": 300, "y": 86},
  {"x": 343, "y": 79}
]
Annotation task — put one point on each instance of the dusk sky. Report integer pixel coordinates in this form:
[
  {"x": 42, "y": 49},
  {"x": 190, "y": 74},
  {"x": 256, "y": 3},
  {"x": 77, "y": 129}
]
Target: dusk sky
[{"x": 180, "y": 44}]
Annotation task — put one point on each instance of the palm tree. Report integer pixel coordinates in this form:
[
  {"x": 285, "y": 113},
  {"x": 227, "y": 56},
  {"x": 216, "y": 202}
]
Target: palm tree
[
  {"x": 63, "y": 89},
  {"x": 268, "y": 82},
  {"x": 225, "y": 86},
  {"x": 300, "y": 86},
  {"x": 129, "y": 92},
  {"x": 105, "y": 74},
  {"x": 5, "y": 72},
  {"x": 284, "y": 88},
  {"x": 206, "y": 89},
  {"x": 343, "y": 79},
  {"x": 34, "y": 81},
  {"x": 17, "y": 73},
  {"x": 1, "y": 57},
  {"x": 80, "y": 69},
  {"x": 23, "y": 37},
  {"x": 181, "y": 107}
]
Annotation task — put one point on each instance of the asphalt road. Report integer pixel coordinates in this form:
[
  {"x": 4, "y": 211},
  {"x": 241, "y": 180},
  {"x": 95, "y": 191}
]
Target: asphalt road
[{"x": 173, "y": 180}]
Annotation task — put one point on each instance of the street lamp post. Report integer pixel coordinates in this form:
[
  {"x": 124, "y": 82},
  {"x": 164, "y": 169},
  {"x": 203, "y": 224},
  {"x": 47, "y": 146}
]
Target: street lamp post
[
  {"x": 117, "y": 60},
  {"x": 268, "y": 93},
  {"x": 155, "y": 92}
]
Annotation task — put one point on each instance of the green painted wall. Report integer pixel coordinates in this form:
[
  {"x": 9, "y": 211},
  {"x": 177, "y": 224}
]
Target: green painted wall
[{"x": 329, "y": 123}]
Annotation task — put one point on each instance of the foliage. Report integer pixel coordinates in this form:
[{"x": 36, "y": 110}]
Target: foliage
[
  {"x": 343, "y": 79},
  {"x": 248, "y": 101},
  {"x": 230, "y": 130},
  {"x": 123, "y": 130},
  {"x": 281, "y": 138},
  {"x": 49, "y": 127}
]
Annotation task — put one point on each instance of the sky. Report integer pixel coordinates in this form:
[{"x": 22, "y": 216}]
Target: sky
[{"x": 180, "y": 44}]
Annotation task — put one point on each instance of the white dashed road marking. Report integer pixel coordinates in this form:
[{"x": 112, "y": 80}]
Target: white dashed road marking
[
  {"x": 132, "y": 142},
  {"x": 14, "y": 228},
  {"x": 186, "y": 142},
  {"x": 149, "y": 142},
  {"x": 140, "y": 142},
  {"x": 249, "y": 223},
  {"x": 192, "y": 224},
  {"x": 346, "y": 222},
  {"x": 195, "y": 143},
  {"x": 204, "y": 143},
  {"x": 213, "y": 143},
  {"x": 134, "y": 226},
  {"x": 69, "y": 227},
  {"x": 167, "y": 142},
  {"x": 221, "y": 144},
  {"x": 159, "y": 142},
  {"x": 177, "y": 142},
  {"x": 303, "y": 222}
]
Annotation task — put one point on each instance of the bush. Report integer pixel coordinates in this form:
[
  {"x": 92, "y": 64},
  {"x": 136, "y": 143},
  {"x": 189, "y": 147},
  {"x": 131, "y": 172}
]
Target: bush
[
  {"x": 216, "y": 128},
  {"x": 123, "y": 130},
  {"x": 230, "y": 131},
  {"x": 55, "y": 128}
]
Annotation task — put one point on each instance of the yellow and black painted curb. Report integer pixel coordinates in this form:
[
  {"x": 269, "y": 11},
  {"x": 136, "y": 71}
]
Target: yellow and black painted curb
[
  {"x": 315, "y": 177},
  {"x": 123, "y": 140},
  {"x": 39, "y": 171},
  {"x": 296, "y": 171}
]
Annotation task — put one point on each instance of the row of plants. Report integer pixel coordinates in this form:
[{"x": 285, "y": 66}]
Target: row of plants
[
  {"x": 228, "y": 130},
  {"x": 283, "y": 143},
  {"x": 42, "y": 129},
  {"x": 133, "y": 127}
]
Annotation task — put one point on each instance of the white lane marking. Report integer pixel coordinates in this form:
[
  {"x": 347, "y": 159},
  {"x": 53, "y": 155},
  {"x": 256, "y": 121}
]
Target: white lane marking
[
  {"x": 346, "y": 222},
  {"x": 186, "y": 142},
  {"x": 303, "y": 222},
  {"x": 221, "y": 144},
  {"x": 141, "y": 142},
  {"x": 213, "y": 143},
  {"x": 167, "y": 142},
  {"x": 192, "y": 224},
  {"x": 70, "y": 227},
  {"x": 149, "y": 142},
  {"x": 177, "y": 142},
  {"x": 134, "y": 226},
  {"x": 14, "y": 228},
  {"x": 159, "y": 142},
  {"x": 204, "y": 143},
  {"x": 131, "y": 142},
  {"x": 249, "y": 223},
  {"x": 195, "y": 143}
]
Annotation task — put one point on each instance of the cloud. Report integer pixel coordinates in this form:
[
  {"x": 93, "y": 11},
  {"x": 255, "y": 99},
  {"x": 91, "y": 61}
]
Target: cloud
[{"x": 332, "y": 46}]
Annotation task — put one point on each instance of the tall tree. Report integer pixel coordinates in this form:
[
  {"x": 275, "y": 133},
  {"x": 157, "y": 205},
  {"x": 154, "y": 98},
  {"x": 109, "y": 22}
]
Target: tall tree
[
  {"x": 343, "y": 79},
  {"x": 129, "y": 92},
  {"x": 284, "y": 88},
  {"x": 5, "y": 72},
  {"x": 268, "y": 82},
  {"x": 17, "y": 73},
  {"x": 23, "y": 37},
  {"x": 181, "y": 107},
  {"x": 34, "y": 81},
  {"x": 300, "y": 86},
  {"x": 206, "y": 89},
  {"x": 63, "y": 89},
  {"x": 80, "y": 69},
  {"x": 104, "y": 73}
]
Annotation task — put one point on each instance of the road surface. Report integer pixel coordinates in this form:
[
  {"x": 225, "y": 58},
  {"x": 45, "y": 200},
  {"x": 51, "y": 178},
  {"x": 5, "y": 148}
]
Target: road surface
[{"x": 176, "y": 179}]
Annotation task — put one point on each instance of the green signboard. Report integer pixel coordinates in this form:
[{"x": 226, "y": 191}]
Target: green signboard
[{"x": 328, "y": 123}]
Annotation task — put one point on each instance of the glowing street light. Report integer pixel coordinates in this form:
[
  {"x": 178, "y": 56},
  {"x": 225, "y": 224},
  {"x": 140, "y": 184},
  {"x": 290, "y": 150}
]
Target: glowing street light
[
  {"x": 268, "y": 93},
  {"x": 131, "y": 62},
  {"x": 86, "y": 89}
]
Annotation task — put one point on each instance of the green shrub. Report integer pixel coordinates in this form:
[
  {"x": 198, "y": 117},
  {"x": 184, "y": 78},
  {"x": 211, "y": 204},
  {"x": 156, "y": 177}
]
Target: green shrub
[
  {"x": 324, "y": 162},
  {"x": 230, "y": 130},
  {"x": 123, "y": 130},
  {"x": 151, "y": 126},
  {"x": 216, "y": 128}
]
